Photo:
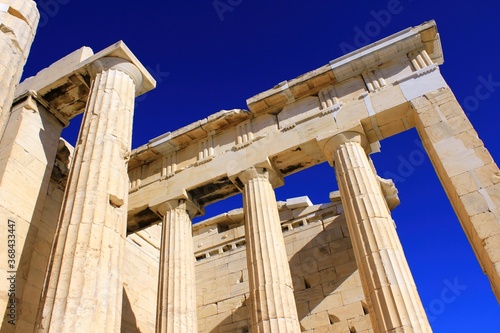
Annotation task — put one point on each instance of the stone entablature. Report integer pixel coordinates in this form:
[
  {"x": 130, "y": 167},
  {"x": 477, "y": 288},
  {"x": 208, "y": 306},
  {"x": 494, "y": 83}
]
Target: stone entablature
[
  {"x": 368, "y": 89},
  {"x": 369, "y": 58}
]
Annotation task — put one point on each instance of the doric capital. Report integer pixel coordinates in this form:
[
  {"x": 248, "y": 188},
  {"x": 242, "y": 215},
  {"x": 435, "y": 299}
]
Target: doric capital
[
  {"x": 190, "y": 207},
  {"x": 335, "y": 142},
  {"x": 268, "y": 173},
  {"x": 253, "y": 173},
  {"x": 107, "y": 63}
]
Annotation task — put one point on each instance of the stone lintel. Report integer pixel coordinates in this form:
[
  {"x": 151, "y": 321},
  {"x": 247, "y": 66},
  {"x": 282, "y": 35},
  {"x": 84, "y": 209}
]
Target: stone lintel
[
  {"x": 233, "y": 217},
  {"x": 59, "y": 70},
  {"x": 220, "y": 182},
  {"x": 424, "y": 36},
  {"x": 172, "y": 141},
  {"x": 298, "y": 202},
  {"x": 378, "y": 114},
  {"x": 65, "y": 84}
]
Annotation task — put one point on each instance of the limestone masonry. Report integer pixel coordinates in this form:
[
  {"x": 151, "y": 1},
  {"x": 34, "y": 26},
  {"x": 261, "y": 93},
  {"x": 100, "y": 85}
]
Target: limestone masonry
[{"x": 99, "y": 237}]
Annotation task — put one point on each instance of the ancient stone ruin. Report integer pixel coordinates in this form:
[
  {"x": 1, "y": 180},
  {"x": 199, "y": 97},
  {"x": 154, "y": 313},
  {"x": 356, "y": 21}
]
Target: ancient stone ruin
[{"x": 99, "y": 238}]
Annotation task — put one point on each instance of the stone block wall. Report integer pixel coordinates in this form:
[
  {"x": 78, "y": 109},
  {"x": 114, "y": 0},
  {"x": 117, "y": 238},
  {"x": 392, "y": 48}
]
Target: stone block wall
[
  {"x": 327, "y": 287},
  {"x": 140, "y": 282}
]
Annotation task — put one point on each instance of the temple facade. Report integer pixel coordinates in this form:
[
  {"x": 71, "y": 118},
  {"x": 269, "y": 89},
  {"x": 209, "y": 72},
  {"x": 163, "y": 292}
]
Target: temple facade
[{"x": 99, "y": 237}]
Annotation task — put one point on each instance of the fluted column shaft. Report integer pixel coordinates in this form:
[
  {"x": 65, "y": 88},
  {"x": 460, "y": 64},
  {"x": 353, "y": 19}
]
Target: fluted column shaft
[
  {"x": 387, "y": 281},
  {"x": 176, "y": 309},
  {"x": 271, "y": 290},
  {"x": 18, "y": 20},
  {"x": 84, "y": 287}
]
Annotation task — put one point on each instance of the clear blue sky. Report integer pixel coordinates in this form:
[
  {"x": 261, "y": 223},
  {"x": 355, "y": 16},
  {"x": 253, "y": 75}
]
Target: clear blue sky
[{"x": 207, "y": 59}]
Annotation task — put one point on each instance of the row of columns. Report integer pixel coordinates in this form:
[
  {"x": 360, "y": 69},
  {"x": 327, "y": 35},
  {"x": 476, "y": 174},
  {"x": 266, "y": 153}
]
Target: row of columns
[
  {"x": 84, "y": 285},
  {"x": 83, "y": 291},
  {"x": 387, "y": 282},
  {"x": 273, "y": 307}
]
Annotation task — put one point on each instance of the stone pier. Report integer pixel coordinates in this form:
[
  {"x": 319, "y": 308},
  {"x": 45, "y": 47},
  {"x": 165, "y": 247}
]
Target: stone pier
[
  {"x": 18, "y": 23},
  {"x": 29, "y": 148},
  {"x": 468, "y": 173}
]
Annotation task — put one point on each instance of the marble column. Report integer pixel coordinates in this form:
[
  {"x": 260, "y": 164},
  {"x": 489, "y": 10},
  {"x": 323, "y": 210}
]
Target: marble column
[
  {"x": 176, "y": 309},
  {"x": 388, "y": 285},
  {"x": 271, "y": 291},
  {"x": 19, "y": 20},
  {"x": 84, "y": 287}
]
